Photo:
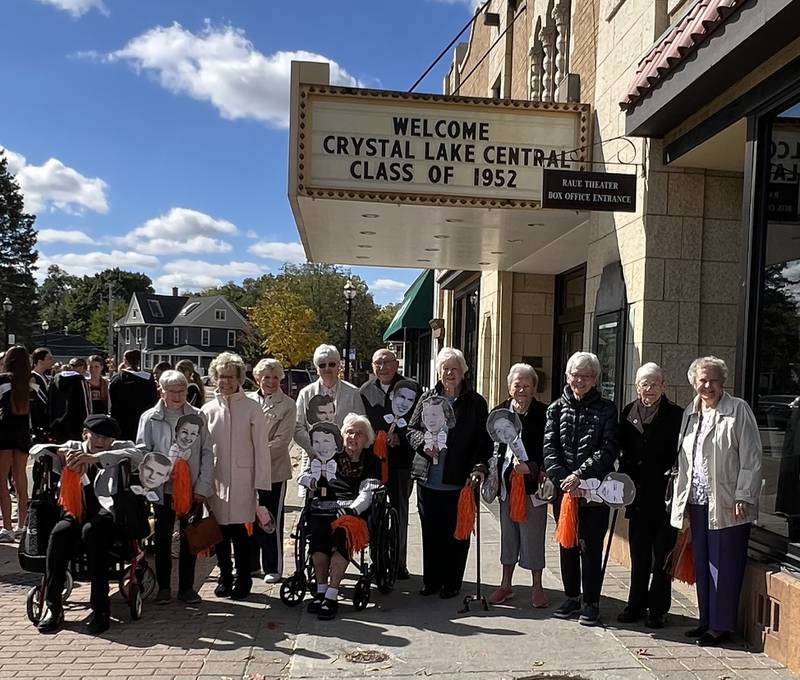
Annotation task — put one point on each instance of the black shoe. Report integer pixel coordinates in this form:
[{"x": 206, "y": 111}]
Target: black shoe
[
  {"x": 241, "y": 589},
  {"x": 590, "y": 615},
  {"x": 99, "y": 623},
  {"x": 328, "y": 609},
  {"x": 629, "y": 615},
  {"x": 316, "y": 603},
  {"x": 402, "y": 574},
  {"x": 447, "y": 593},
  {"x": 569, "y": 608},
  {"x": 164, "y": 596},
  {"x": 709, "y": 640},
  {"x": 655, "y": 621},
  {"x": 51, "y": 621},
  {"x": 223, "y": 589},
  {"x": 429, "y": 590},
  {"x": 700, "y": 631}
]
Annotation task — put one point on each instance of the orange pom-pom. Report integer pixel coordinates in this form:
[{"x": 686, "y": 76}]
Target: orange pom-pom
[
  {"x": 567, "y": 527},
  {"x": 356, "y": 532},
  {"x": 70, "y": 496},
  {"x": 248, "y": 527},
  {"x": 381, "y": 451},
  {"x": 519, "y": 501},
  {"x": 681, "y": 560},
  {"x": 465, "y": 519},
  {"x": 181, "y": 487}
]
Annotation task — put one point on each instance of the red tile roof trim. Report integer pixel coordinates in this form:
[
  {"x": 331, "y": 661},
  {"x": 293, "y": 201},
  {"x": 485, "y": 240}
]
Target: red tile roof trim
[{"x": 682, "y": 39}]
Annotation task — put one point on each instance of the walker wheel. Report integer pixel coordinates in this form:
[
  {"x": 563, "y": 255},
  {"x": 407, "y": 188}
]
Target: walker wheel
[
  {"x": 293, "y": 590},
  {"x": 35, "y": 604},
  {"x": 136, "y": 601},
  {"x": 361, "y": 594},
  {"x": 146, "y": 578},
  {"x": 69, "y": 584}
]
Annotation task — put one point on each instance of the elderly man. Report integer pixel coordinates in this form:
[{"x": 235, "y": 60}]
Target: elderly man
[
  {"x": 159, "y": 429},
  {"x": 377, "y": 396},
  {"x": 345, "y": 396}
]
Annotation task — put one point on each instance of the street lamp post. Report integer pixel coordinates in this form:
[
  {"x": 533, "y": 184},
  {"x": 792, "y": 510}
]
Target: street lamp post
[
  {"x": 45, "y": 328},
  {"x": 7, "y": 307},
  {"x": 116, "y": 343},
  {"x": 349, "y": 295}
]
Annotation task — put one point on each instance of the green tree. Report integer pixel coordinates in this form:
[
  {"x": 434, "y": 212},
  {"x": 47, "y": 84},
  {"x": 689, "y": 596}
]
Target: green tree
[
  {"x": 385, "y": 316},
  {"x": 288, "y": 327},
  {"x": 98, "y": 322},
  {"x": 17, "y": 256},
  {"x": 53, "y": 293}
]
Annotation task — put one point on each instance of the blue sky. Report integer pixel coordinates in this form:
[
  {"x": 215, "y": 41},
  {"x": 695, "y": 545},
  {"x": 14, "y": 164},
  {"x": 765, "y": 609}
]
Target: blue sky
[{"x": 151, "y": 135}]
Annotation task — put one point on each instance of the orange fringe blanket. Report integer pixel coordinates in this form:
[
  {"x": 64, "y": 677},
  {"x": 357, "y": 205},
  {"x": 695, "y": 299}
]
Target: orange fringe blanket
[
  {"x": 356, "y": 532},
  {"x": 519, "y": 501},
  {"x": 70, "y": 496},
  {"x": 381, "y": 451},
  {"x": 567, "y": 527},
  {"x": 181, "y": 487},
  {"x": 465, "y": 519}
]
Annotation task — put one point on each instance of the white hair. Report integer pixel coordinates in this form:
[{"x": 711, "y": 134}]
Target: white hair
[
  {"x": 226, "y": 360},
  {"x": 355, "y": 421},
  {"x": 268, "y": 366},
  {"x": 650, "y": 369},
  {"x": 584, "y": 360},
  {"x": 326, "y": 352},
  {"x": 707, "y": 362},
  {"x": 523, "y": 369},
  {"x": 447, "y": 353},
  {"x": 171, "y": 378}
]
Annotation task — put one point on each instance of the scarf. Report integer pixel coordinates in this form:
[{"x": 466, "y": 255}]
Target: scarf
[{"x": 641, "y": 415}]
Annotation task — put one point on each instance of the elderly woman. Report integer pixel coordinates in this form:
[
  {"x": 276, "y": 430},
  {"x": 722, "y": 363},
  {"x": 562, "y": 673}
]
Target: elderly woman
[
  {"x": 279, "y": 412},
  {"x": 241, "y": 469},
  {"x": 648, "y": 442},
  {"x": 442, "y": 471},
  {"x": 160, "y": 427},
  {"x": 346, "y": 397},
  {"x": 580, "y": 442},
  {"x": 329, "y": 551},
  {"x": 522, "y": 542},
  {"x": 716, "y": 490}
]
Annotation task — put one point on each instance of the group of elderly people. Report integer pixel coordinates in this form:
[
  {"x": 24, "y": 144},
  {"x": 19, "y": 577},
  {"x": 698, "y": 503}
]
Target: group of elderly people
[{"x": 704, "y": 460}]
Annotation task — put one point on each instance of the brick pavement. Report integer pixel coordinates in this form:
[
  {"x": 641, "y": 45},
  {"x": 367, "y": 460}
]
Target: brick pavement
[{"x": 261, "y": 638}]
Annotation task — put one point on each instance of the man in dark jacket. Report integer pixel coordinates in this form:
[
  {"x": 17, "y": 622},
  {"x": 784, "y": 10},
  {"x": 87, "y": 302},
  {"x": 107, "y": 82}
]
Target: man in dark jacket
[
  {"x": 580, "y": 443},
  {"x": 648, "y": 439},
  {"x": 69, "y": 402},
  {"x": 41, "y": 363},
  {"x": 132, "y": 392},
  {"x": 378, "y": 396}
]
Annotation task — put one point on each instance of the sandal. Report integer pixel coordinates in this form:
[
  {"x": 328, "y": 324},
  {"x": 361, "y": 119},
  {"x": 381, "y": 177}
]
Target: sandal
[{"x": 501, "y": 595}]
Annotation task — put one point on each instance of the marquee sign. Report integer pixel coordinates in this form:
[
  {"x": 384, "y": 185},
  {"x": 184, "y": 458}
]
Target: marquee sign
[{"x": 421, "y": 149}]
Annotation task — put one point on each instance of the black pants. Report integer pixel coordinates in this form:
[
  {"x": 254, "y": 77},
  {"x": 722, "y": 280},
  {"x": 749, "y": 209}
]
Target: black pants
[
  {"x": 165, "y": 522},
  {"x": 399, "y": 487},
  {"x": 236, "y": 534},
  {"x": 582, "y": 567},
  {"x": 95, "y": 536},
  {"x": 443, "y": 557},
  {"x": 650, "y": 539},
  {"x": 269, "y": 547}
]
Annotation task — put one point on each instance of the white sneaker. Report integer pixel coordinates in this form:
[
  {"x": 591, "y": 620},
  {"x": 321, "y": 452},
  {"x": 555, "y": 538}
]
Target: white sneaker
[
  {"x": 6, "y": 536},
  {"x": 272, "y": 578}
]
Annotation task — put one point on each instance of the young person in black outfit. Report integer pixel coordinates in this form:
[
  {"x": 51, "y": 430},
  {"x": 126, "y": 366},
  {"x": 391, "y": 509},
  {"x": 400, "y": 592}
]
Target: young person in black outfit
[
  {"x": 132, "y": 392},
  {"x": 649, "y": 435},
  {"x": 69, "y": 401},
  {"x": 42, "y": 361}
]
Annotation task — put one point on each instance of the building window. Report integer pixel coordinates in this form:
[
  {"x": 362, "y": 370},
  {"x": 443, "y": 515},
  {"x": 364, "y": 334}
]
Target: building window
[
  {"x": 176, "y": 336},
  {"x": 127, "y": 336},
  {"x": 205, "y": 337},
  {"x": 219, "y": 315},
  {"x": 231, "y": 338},
  {"x": 188, "y": 309},
  {"x": 158, "y": 335},
  {"x": 155, "y": 309},
  {"x": 465, "y": 325},
  {"x": 138, "y": 336},
  {"x": 134, "y": 313}
]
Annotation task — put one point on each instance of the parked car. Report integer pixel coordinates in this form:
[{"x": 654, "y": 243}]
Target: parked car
[{"x": 294, "y": 380}]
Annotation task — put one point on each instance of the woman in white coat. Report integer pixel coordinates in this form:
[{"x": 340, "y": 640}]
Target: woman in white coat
[{"x": 241, "y": 470}]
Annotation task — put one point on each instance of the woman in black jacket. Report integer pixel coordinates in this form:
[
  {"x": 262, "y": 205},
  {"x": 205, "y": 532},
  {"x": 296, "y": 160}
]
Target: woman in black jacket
[
  {"x": 522, "y": 542},
  {"x": 580, "y": 442},
  {"x": 443, "y": 470},
  {"x": 649, "y": 434}
]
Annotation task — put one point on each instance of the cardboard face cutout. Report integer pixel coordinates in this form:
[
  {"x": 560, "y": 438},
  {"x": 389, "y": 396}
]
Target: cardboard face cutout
[
  {"x": 187, "y": 431},
  {"x": 321, "y": 409},
  {"x": 505, "y": 427},
  {"x": 617, "y": 490},
  {"x": 326, "y": 442},
  {"x": 154, "y": 470},
  {"x": 403, "y": 397},
  {"x": 437, "y": 418}
]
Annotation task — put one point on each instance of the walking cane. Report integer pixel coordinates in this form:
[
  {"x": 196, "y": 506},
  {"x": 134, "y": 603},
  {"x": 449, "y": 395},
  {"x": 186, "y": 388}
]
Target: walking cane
[
  {"x": 477, "y": 597},
  {"x": 608, "y": 547}
]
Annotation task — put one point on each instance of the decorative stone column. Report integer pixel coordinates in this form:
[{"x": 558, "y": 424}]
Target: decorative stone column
[{"x": 537, "y": 63}]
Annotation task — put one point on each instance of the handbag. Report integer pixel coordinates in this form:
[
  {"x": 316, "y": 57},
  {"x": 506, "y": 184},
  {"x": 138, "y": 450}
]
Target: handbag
[
  {"x": 202, "y": 532},
  {"x": 420, "y": 468}
]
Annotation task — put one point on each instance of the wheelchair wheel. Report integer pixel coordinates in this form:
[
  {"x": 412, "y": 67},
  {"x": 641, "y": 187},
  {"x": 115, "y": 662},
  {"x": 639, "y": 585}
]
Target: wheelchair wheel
[
  {"x": 135, "y": 601},
  {"x": 293, "y": 590},
  {"x": 388, "y": 554},
  {"x": 34, "y": 604},
  {"x": 69, "y": 584},
  {"x": 361, "y": 594},
  {"x": 146, "y": 578}
]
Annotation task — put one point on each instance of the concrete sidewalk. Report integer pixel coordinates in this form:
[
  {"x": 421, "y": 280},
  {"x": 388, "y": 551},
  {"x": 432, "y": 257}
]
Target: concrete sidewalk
[{"x": 410, "y": 636}]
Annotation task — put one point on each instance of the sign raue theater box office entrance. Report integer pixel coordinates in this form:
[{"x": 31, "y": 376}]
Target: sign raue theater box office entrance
[{"x": 432, "y": 158}]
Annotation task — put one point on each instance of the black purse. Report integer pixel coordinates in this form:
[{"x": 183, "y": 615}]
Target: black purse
[{"x": 420, "y": 467}]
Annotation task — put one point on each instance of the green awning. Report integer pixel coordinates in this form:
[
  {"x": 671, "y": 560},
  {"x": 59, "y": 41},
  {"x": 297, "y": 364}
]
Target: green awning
[{"x": 417, "y": 308}]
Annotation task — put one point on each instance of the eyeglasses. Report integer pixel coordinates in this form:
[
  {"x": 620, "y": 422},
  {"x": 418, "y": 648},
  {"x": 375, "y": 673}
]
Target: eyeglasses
[
  {"x": 646, "y": 386},
  {"x": 384, "y": 362},
  {"x": 330, "y": 364}
]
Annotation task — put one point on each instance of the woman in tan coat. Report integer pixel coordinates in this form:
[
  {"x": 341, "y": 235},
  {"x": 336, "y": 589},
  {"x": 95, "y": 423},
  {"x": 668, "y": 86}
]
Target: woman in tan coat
[{"x": 241, "y": 469}]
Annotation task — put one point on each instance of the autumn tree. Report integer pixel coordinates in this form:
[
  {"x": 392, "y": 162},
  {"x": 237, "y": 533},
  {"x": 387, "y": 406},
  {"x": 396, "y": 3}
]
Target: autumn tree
[{"x": 288, "y": 327}]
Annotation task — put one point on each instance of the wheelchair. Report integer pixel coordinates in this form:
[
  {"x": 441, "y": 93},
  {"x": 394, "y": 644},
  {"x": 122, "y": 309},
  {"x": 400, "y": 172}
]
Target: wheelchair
[
  {"x": 377, "y": 563},
  {"x": 128, "y": 564}
]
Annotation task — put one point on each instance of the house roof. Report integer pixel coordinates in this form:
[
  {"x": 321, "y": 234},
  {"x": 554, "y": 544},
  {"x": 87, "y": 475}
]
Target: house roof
[
  {"x": 676, "y": 45},
  {"x": 178, "y": 310},
  {"x": 63, "y": 345},
  {"x": 159, "y": 309}
]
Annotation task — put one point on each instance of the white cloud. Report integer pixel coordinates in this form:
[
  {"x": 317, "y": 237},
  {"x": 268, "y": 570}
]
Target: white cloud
[
  {"x": 77, "y": 8},
  {"x": 251, "y": 233},
  {"x": 63, "y": 236},
  {"x": 196, "y": 274},
  {"x": 181, "y": 230},
  {"x": 282, "y": 252},
  {"x": 388, "y": 286},
  {"x": 57, "y": 185},
  {"x": 80, "y": 264},
  {"x": 220, "y": 65}
]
